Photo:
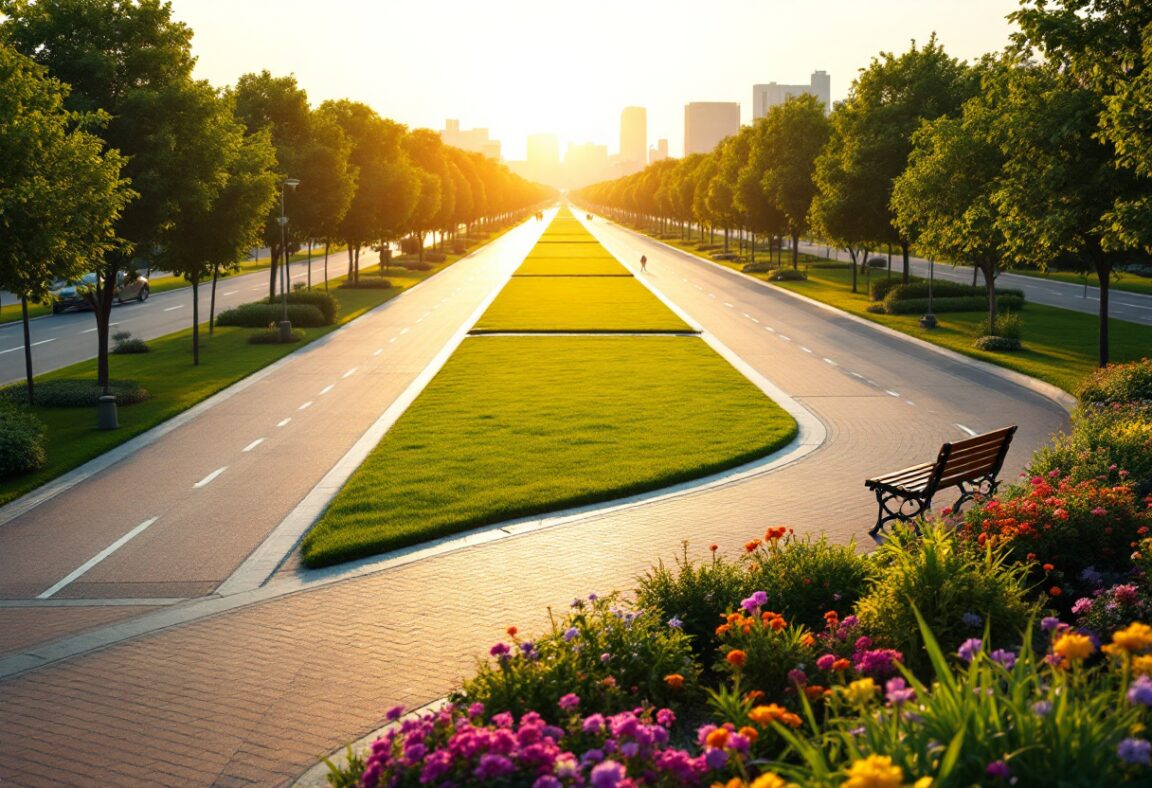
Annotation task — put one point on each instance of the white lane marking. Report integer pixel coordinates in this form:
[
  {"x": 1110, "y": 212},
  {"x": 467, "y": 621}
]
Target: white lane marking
[
  {"x": 209, "y": 478},
  {"x": 754, "y": 320},
  {"x": 404, "y": 331},
  {"x": 34, "y": 344},
  {"x": 305, "y": 406},
  {"x": 393, "y": 339},
  {"x": 856, "y": 375},
  {"x": 255, "y": 288},
  {"x": 830, "y": 361},
  {"x": 326, "y": 389},
  {"x": 284, "y": 423},
  {"x": 728, "y": 305},
  {"x": 698, "y": 287},
  {"x": 806, "y": 350},
  {"x": 891, "y": 393},
  {"x": 711, "y": 295},
  {"x": 230, "y": 292},
  {"x": 252, "y": 445},
  {"x": 349, "y": 373},
  {"x": 967, "y": 429},
  {"x": 378, "y": 352},
  {"x": 786, "y": 339},
  {"x": 910, "y": 402},
  {"x": 769, "y": 328},
  {"x": 91, "y": 562},
  {"x": 173, "y": 308}
]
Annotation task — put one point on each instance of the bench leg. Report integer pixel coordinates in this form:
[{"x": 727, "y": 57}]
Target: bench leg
[
  {"x": 906, "y": 510},
  {"x": 984, "y": 488}
]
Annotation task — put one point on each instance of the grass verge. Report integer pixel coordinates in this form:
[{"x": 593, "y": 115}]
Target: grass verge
[{"x": 516, "y": 426}]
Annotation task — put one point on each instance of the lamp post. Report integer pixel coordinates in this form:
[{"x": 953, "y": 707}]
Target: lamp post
[
  {"x": 285, "y": 324},
  {"x": 929, "y": 320}
]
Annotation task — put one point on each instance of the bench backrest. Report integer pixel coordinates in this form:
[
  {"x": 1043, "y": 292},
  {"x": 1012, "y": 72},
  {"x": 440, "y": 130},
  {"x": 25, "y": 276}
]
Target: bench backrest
[{"x": 970, "y": 459}]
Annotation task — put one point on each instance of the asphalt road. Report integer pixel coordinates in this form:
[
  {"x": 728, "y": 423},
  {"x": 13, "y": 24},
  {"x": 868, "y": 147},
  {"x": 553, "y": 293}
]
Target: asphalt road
[{"x": 70, "y": 337}]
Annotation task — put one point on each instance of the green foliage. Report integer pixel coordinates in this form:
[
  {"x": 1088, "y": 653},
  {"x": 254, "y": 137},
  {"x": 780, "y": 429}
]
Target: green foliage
[
  {"x": 260, "y": 314},
  {"x": 126, "y": 343},
  {"x": 416, "y": 265},
  {"x": 893, "y": 290},
  {"x": 1009, "y": 325},
  {"x": 787, "y": 275},
  {"x": 22, "y": 439},
  {"x": 325, "y": 302},
  {"x": 996, "y": 344},
  {"x": 1112, "y": 442},
  {"x": 755, "y": 268},
  {"x": 366, "y": 283},
  {"x": 944, "y": 578},
  {"x": 613, "y": 657},
  {"x": 1129, "y": 382},
  {"x": 77, "y": 393},
  {"x": 271, "y": 336},
  {"x": 913, "y": 306}
]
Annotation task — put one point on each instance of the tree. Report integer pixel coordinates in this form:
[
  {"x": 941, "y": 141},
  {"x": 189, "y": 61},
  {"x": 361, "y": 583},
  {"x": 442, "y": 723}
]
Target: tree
[
  {"x": 130, "y": 59},
  {"x": 761, "y": 211},
  {"x": 795, "y": 133},
  {"x": 437, "y": 198},
  {"x": 60, "y": 194},
  {"x": 327, "y": 185}
]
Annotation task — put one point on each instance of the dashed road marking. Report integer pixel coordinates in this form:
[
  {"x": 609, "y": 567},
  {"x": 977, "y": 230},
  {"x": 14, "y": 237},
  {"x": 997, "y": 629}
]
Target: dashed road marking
[
  {"x": 786, "y": 339},
  {"x": 173, "y": 308},
  {"x": 830, "y": 361},
  {"x": 209, "y": 478},
  {"x": 891, "y": 393},
  {"x": 379, "y": 350},
  {"x": 34, "y": 344},
  {"x": 728, "y": 305},
  {"x": 349, "y": 373},
  {"x": 252, "y": 445},
  {"x": 305, "y": 406},
  {"x": 326, "y": 389},
  {"x": 769, "y": 328},
  {"x": 967, "y": 429},
  {"x": 94, "y": 560},
  {"x": 284, "y": 422},
  {"x": 404, "y": 331},
  {"x": 230, "y": 292}
]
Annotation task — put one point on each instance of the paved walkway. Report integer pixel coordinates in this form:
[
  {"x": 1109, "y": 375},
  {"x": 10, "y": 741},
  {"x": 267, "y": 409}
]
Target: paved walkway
[{"x": 257, "y": 694}]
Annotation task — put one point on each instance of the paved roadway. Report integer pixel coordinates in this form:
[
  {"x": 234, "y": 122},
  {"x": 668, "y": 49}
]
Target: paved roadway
[
  {"x": 64, "y": 339},
  {"x": 1132, "y": 307},
  {"x": 253, "y": 688}
]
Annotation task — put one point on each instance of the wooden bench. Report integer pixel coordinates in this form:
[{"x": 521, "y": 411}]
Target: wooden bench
[{"x": 972, "y": 465}]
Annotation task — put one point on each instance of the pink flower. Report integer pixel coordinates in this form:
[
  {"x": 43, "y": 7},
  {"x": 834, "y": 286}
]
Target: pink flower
[{"x": 1099, "y": 511}]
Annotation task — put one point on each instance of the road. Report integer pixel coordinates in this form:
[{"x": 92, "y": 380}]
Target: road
[
  {"x": 255, "y": 687},
  {"x": 65, "y": 339},
  {"x": 1132, "y": 307}
]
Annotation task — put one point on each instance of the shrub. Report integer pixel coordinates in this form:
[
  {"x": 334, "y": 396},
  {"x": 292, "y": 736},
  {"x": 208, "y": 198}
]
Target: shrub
[
  {"x": 877, "y": 262},
  {"x": 947, "y": 579},
  {"x": 75, "y": 393},
  {"x": 724, "y": 256},
  {"x": 879, "y": 288},
  {"x": 125, "y": 343},
  {"x": 829, "y": 264},
  {"x": 1109, "y": 442},
  {"x": 787, "y": 275},
  {"x": 22, "y": 438},
  {"x": 1009, "y": 325},
  {"x": 876, "y": 309},
  {"x": 259, "y": 315},
  {"x": 1109, "y": 609},
  {"x": 694, "y": 593},
  {"x": 325, "y": 302},
  {"x": 367, "y": 283},
  {"x": 943, "y": 289},
  {"x": 271, "y": 336},
  {"x": 416, "y": 266},
  {"x": 1118, "y": 383},
  {"x": 459, "y": 247},
  {"x": 1064, "y": 525},
  {"x": 761, "y": 650},
  {"x": 949, "y": 304},
  {"x": 756, "y": 268},
  {"x": 611, "y": 656},
  {"x": 995, "y": 344}
]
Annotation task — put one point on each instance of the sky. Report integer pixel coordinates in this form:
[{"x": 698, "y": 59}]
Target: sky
[{"x": 520, "y": 67}]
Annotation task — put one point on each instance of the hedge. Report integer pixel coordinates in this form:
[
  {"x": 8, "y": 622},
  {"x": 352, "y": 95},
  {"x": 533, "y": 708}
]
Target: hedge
[
  {"x": 326, "y": 303},
  {"x": 902, "y": 292},
  {"x": 260, "y": 315},
  {"x": 952, "y": 304},
  {"x": 22, "y": 438},
  {"x": 75, "y": 393}
]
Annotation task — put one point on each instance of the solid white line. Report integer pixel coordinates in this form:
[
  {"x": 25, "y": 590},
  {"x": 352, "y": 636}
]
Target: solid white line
[
  {"x": 284, "y": 423},
  {"x": 830, "y": 361},
  {"x": 326, "y": 389},
  {"x": 209, "y": 478},
  {"x": 967, "y": 430},
  {"x": 253, "y": 445},
  {"x": 306, "y": 405},
  {"x": 349, "y": 373},
  {"x": 91, "y": 562},
  {"x": 171, "y": 308}
]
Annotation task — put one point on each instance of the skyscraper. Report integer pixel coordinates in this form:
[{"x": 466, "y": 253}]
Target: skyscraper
[
  {"x": 767, "y": 96},
  {"x": 659, "y": 152},
  {"x": 633, "y": 138},
  {"x": 708, "y": 122},
  {"x": 470, "y": 139}
]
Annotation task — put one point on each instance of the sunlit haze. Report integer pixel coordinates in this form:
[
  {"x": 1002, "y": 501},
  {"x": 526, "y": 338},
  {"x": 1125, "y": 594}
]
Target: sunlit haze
[{"x": 519, "y": 67}]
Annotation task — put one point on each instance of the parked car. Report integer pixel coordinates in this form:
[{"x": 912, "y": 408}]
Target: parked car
[{"x": 68, "y": 294}]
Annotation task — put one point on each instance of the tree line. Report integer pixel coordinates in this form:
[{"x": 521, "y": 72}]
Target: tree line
[
  {"x": 113, "y": 158},
  {"x": 1038, "y": 155}
]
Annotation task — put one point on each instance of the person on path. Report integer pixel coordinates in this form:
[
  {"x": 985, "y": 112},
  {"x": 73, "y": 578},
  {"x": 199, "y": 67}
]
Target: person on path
[{"x": 643, "y": 262}]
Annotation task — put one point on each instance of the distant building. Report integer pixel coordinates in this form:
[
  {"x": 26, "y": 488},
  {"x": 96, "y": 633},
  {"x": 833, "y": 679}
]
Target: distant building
[
  {"x": 708, "y": 122},
  {"x": 633, "y": 139},
  {"x": 767, "y": 96},
  {"x": 470, "y": 139},
  {"x": 659, "y": 152},
  {"x": 585, "y": 164}
]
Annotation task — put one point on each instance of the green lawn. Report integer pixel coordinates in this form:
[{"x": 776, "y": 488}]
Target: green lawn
[
  {"x": 571, "y": 266},
  {"x": 569, "y": 251},
  {"x": 515, "y": 426},
  {"x": 175, "y": 384},
  {"x": 578, "y": 304}
]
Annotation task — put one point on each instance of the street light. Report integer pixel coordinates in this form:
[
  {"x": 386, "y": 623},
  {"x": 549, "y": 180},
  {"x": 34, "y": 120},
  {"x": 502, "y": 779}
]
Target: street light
[
  {"x": 929, "y": 320},
  {"x": 285, "y": 323}
]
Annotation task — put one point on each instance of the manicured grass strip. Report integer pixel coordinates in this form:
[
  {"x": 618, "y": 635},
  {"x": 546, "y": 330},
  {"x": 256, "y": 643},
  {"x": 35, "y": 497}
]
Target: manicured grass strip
[
  {"x": 569, "y": 266},
  {"x": 569, "y": 251},
  {"x": 578, "y": 304},
  {"x": 516, "y": 426}
]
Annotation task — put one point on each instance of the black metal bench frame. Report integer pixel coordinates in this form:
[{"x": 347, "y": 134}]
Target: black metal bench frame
[{"x": 972, "y": 465}]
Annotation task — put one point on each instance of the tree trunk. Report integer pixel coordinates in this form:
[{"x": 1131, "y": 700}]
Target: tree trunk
[
  {"x": 356, "y": 268},
  {"x": 327, "y": 244},
  {"x": 27, "y": 347},
  {"x": 196, "y": 318},
  {"x": 274, "y": 253},
  {"x": 990, "y": 284},
  {"x": 795, "y": 250},
  {"x": 349, "y": 275},
  {"x": 1104, "y": 274},
  {"x": 420, "y": 241},
  {"x": 752, "y": 246},
  {"x": 907, "y": 263},
  {"x": 212, "y": 300},
  {"x": 725, "y": 240},
  {"x": 309, "y": 263}
]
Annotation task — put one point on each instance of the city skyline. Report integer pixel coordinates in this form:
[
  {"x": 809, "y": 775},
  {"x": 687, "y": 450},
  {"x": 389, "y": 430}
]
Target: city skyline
[{"x": 518, "y": 68}]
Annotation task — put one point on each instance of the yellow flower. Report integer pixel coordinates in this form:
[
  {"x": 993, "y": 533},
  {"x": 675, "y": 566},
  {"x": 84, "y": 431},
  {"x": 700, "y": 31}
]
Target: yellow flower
[
  {"x": 923, "y": 782},
  {"x": 770, "y": 780},
  {"x": 1137, "y": 637},
  {"x": 1142, "y": 664},
  {"x": 860, "y": 691},
  {"x": 1072, "y": 646},
  {"x": 875, "y": 771}
]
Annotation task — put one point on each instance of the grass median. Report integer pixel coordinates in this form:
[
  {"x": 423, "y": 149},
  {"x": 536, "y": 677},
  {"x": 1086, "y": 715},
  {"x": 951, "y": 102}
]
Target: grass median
[{"x": 517, "y": 426}]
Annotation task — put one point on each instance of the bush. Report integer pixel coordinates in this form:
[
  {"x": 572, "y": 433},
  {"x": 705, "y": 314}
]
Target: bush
[
  {"x": 1109, "y": 442},
  {"x": 612, "y": 657},
  {"x": 943, "y": 289},
  {"x": 1118, "y": 383},
  {"x": 994, "y": 344},
  {"x": 829, "y": 264},
  {"x": 367, "y": 283},
  {"x": 787, "y": 275},
  {"x": 459, "y": 247},
  {"x": 74, "y": 393},
  {"x": 949, "y": 304},
  {"x": 756, "y": 268},
  {"x": 762, "y": 649},
  {"x": 271, "y": 336},
  {"x": 125, "y": 343},
  {"x": 724, "y": 256},
  {"x": 416, "y": 266},
  {"x": 877, "y": 262},
  {"x": 1009, "y": 325},
  {"x": 948, "y": 579},
  {"x": 876, "y": 309},
  {"x": 260, "y": 315},
  {"x": 434, "y": 257},
  {"x": 22, "y": 438},
  {"x": 325, "y": 302},
  {"x": 1110, "y": 609}
]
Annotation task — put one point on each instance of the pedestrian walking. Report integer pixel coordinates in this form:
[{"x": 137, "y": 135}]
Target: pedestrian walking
[{"x": 643, "y": 263}]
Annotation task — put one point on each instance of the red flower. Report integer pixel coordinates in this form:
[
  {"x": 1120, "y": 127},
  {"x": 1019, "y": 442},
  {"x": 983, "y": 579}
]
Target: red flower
[
  {"x": 1048, "y": 567},
  {"x": 1055, "y": 591}
]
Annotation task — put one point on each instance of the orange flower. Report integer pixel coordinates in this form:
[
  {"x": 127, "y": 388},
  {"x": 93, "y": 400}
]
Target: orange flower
[
  {"x": 718, "y": 738},
  {"x": 750, "y": 547},
  {"x": 763, "y": 715},
  {"x": 736, "y": 658},
  {"x": 832, "y": 618},
  {"x": 808, "y": 640},
  {"x": 1055, "y": 591},
  {"x": 713, "y": 547},
  {"x": 814, "y": 691},
  {"x": 1073, "y": 646},
  {"x": 749, "y": 733},
  {"x": 775, "y": 533},
  {"x": 722, "y": 629},
  {"x": 512, "y": 632},
  {"x": 609, "y": 682},
  {"x": 1048, "y": 567},
  {"x": 674, "y": 680},
  {"x": 841, "y": 664},
  {"x": 753, "y": 695}
]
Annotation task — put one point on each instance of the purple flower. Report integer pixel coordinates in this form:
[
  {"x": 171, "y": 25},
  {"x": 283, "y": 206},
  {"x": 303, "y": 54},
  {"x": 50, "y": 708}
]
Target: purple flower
[
  {"x": 739, "y": 742},
  {"x": 675, "y": 623},
  {"x": 592, "y": 597},
  {"x": 591, "y": 756},
  {"x": 594, "y": 723},
  {"x": 898, "y": 692},
  {"x": 1049, "y": 623},
  {"x": 666, "y": 717},
  {"x": 1091, "y": 576},
  {"x": 571, "y": 633},
  {"x": 797, "y": 676},
  {"x": 476, "y": 710},
  {"x": 878, "y": 663},
  {"x": 715, "y": 759},
  {"x": 545, "y": 781},
  {"x": 1081, "y": 606},
  {"x": 500, "y": 651},
  {"x": 863, "y": 643},
  {"x": 1042, "y": 708},
  {"x": 757, "y": 599},
  {"x": 394, "y": 713},
  {"x": 629, "y": 749},
  {"x": 1135, "y": 751},
  {"x": 972, "y": 620},
  {"x": 1004, "y": 657},
  {"x": 970, "y": 648},
  {"x": 825, "y": 662},
  {"x": 493, "y": 766},
  {"x": 998, "y": 770},
  {"x": 570, "y": 701},
  {"x": 607, "y": 774},
  {"x": 1141, "y": 691}
]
